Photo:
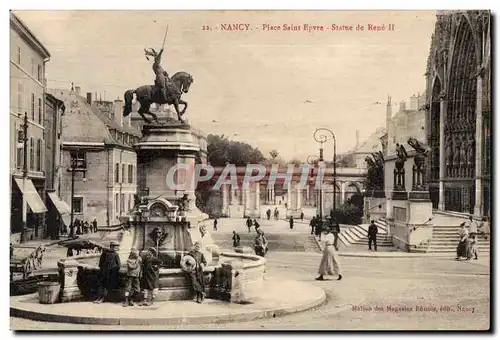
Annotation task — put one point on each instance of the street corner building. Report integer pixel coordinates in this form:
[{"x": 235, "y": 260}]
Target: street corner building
[{"x": 30, "y": 129}]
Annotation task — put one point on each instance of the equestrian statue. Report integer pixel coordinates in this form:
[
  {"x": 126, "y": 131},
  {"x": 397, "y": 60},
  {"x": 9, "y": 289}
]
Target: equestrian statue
[{"x": 166, "y": 90}]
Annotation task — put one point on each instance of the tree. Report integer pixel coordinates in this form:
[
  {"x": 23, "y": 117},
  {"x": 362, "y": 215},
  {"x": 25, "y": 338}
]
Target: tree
[
  {"x": 346, "y": 161},
  {"x": 296, "y": 161},
  {"x": 375, "y": 173},
  {"x": 221, "y": 151},
  {"x": 273, "y": 153}
]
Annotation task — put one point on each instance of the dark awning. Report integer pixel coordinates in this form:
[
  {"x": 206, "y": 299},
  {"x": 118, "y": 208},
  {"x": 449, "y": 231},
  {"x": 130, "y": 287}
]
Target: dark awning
[{"x": 61, "y": 206}]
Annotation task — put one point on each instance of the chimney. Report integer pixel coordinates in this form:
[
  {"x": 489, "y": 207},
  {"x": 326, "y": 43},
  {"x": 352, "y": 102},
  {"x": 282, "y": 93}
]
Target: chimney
[
  {"x": 414, "y": 103},
  {"x": 89, "y": 98},
  {"x": 402, "y": 105},
  {"x": 118, "y": 112},
  {"x": 77, "y": 90},
  {"x": 357, "y": 139}
]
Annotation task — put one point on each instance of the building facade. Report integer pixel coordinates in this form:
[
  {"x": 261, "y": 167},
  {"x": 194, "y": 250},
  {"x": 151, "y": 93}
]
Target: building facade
[
  {"x": 28, "y": 57},
  {"x": 99, "y": 163},
  {"x": 57, "y": 208},
  {"x": 458, "y": 118}
]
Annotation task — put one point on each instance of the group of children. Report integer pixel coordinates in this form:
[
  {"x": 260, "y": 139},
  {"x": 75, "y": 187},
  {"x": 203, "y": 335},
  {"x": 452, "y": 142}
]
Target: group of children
[{"x": 143, "y": 273}]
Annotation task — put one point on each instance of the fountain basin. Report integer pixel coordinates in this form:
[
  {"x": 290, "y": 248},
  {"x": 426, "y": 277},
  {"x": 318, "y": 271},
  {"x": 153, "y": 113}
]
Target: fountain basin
[{"x": 236, "y": 277}]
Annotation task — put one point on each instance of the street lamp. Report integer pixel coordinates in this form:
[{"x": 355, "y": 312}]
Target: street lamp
[
  {"x": 322, "y": 135},
  {"x": 311, "y": 160}
]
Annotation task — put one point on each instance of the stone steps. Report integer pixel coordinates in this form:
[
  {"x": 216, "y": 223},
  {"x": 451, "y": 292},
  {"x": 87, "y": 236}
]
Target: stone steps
[{"x": 357, "y": 236}]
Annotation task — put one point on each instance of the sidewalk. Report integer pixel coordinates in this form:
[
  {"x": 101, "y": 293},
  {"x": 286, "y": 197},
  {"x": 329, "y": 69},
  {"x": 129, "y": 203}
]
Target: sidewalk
[{"x": 277, "y": 297}]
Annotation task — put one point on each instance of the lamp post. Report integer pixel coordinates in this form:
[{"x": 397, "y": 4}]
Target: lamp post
[
  {"x": 24, "y": 140},
  {"x": 322, "y": 135},
  {"x": 311, "y": 160}
]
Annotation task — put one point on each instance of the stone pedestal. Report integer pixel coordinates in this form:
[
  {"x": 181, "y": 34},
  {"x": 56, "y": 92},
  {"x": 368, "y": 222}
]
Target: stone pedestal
[{"x": 68, "y": 273}]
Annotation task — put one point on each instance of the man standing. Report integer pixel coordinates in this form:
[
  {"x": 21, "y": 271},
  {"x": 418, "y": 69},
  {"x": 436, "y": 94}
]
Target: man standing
[
  {"x": 236, "y": 239},
  {"x": 109, "y": 268},
  {"x": 335, "y": 228},
  {"x": 94, "y": 225},
  {"x": 312, "y": 224},
  {"x": 291, "y": 222},
  {"x": 249, "y": 225},
  {"x": 472, "y": 226},
  {"x": 268, "y": 214},
  {"x": 302, "y": 217},
  {"x": 372, "y": 235},
  {"x": 215, "y": 223}
]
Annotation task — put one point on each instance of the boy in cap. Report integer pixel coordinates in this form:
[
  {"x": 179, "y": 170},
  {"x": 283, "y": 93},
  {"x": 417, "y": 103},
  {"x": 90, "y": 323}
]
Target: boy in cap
[
  {"x": 109, "y": 268},
  {"x": 134, "y": 263},
  {"x": 150, "y": 275}
]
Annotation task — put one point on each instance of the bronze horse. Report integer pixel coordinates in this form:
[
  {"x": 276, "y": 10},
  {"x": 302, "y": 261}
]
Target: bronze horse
[{"x": 149, "y": 94}]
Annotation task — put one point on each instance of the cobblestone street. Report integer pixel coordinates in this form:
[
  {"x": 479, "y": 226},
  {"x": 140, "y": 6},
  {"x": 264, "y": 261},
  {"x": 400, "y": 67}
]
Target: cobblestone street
[{"x": 403, "y": 283}]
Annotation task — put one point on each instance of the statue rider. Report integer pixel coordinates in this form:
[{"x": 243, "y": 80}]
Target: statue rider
[{"x": 162, "y": 78}]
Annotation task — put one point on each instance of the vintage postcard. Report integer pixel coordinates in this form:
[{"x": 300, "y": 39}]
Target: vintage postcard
[{"x": 250, "y": 170}]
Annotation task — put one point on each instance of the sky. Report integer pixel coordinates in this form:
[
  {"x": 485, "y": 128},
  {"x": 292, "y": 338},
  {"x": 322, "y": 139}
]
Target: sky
[{"x": 268, "y": 88}]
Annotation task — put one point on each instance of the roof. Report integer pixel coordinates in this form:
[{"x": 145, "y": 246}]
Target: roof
[
  {"x": 21, "y": 27},
  {"x": 80, "y": 124},
  {"x": 111, "y": 123}
]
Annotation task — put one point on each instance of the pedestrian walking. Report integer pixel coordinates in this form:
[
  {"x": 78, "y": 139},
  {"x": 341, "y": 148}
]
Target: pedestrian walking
[
  {"x": 94, "y": 224},
  {"x": 236, "y": 239},
  {"x": 291, "y": 222},
  {"x": 329, "y": 264},
  {"x": 302, "y": 217},
  {"x": 256, "y": 225},
  {"x": 249, "y": 225},
  {"x": 109, "y": 267},
  {"x": 133, "y": 287},
  {"x": 318, "y": 227},
  {"x": 268, "y": 214},
  {"x": 372, "y": 235},
  {"x": 335, "y": 228},
  {"x": 215, "y": 223},
  {"x": 463, "y": 243}
]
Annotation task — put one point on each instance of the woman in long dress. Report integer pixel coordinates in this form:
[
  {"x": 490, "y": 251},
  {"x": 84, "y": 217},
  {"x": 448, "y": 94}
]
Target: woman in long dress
[
  {"x": 463, "y": 244},
  {"x": 197, "y": 278},
  {"x": 329, "y": 263}
]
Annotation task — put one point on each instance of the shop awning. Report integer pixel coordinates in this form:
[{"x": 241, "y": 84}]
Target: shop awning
[
  {"x": 61, "y": 206},
  {"x": 34, "y": 200}
]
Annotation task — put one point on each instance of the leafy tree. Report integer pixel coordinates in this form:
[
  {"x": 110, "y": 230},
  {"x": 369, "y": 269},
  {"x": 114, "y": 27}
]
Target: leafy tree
[
  {"x": 346, "y": 161},
  {"x": 375, "y": 173}
]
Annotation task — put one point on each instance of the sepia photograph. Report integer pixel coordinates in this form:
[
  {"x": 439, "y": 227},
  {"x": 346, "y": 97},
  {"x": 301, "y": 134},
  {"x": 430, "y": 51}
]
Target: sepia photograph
[{"x": 250, "y": 170}]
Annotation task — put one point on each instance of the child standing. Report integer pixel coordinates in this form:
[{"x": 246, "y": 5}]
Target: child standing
[
  {"x": 473, "y": 247},
  {"x": 150, "y": 275},
  {"x": 133, "y": 274}
]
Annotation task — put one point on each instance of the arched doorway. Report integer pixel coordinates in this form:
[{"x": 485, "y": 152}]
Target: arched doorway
[
  {"x": 350, "y": 191},
  {"x": 460, "y": 124}
]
